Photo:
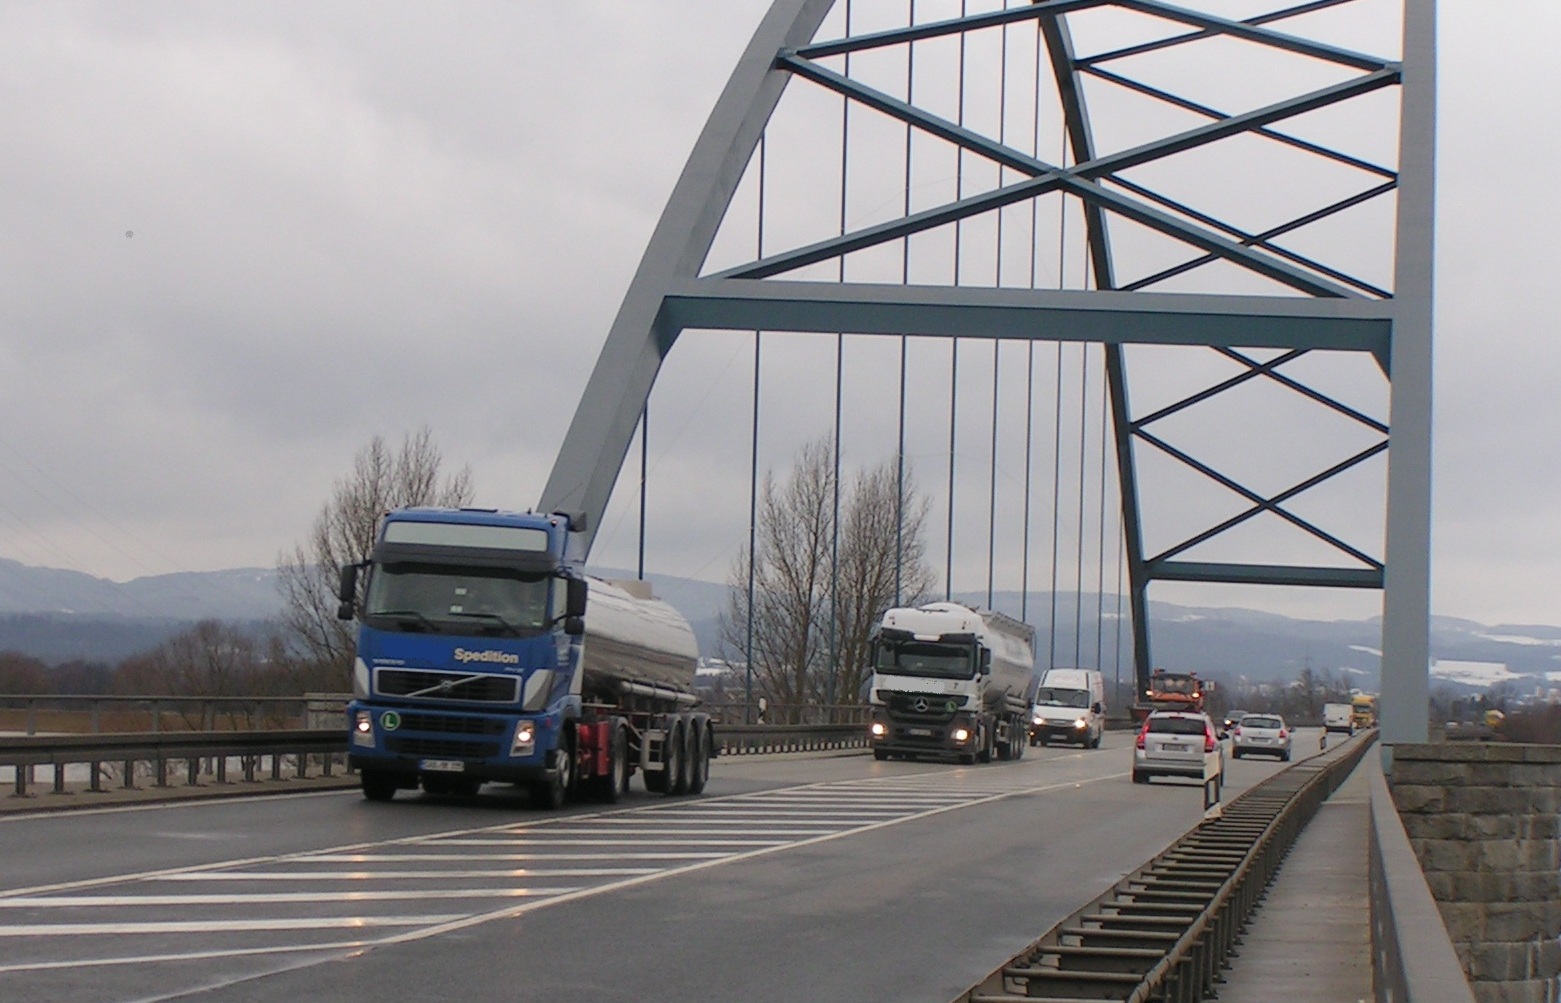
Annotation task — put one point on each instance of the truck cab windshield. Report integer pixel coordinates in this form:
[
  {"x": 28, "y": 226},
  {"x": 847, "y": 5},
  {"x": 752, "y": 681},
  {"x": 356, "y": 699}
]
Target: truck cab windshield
[
  {"x": 921, "y": 658},
  {"x": 1048, "y": 697},
  {"x": 426, "y": 598}
]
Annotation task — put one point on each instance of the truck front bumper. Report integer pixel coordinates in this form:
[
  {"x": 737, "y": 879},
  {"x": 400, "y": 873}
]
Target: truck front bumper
[{"x": 952, "y": 737}]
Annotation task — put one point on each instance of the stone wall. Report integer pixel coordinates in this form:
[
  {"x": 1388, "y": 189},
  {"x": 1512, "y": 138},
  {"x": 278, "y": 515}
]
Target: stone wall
[{"x": 1485, "y": 821}]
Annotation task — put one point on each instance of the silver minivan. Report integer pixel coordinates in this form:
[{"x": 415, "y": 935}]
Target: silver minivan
[{"x": 1173, "y": 744}]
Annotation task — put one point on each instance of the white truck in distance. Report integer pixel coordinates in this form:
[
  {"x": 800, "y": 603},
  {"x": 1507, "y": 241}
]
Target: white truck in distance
[{"x": 949, "y": 680}]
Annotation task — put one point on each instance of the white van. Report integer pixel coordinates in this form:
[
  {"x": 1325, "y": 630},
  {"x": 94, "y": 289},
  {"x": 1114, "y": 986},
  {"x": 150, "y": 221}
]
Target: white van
[{"x": 1070, "y": 706}]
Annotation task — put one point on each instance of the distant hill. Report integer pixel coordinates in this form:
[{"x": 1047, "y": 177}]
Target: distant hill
[
  {"x": 63, "y": 615},
  {"x": 240, "y": 594}
]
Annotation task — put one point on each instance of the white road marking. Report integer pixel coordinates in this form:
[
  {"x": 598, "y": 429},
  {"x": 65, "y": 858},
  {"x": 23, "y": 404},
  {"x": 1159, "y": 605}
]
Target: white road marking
[
  {"x": 433, "y": 873},
  {"x": 257, "y": 898},
  {"x": 215, "y": 926}
]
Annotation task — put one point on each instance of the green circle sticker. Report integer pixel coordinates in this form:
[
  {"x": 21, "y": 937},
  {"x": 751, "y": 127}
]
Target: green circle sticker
[{"x": 390, "y": 720}]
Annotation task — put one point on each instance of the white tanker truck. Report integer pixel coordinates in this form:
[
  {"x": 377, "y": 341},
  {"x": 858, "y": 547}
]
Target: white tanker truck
[
  {"x": 485, "y": 654},
  {"x": 950, "y": 680}
]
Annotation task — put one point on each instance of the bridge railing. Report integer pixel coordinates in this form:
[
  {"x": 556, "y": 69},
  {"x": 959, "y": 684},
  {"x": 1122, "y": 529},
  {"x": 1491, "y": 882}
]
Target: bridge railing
[
  {"x": 119, "y": 713},
  {"x": 58, "y": 762}
]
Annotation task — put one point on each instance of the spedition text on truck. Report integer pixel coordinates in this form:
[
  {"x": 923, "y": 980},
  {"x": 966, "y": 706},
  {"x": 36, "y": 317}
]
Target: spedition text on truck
[
  {"x": 949, "y": 680},
  {"x": 485, "y": 654}
]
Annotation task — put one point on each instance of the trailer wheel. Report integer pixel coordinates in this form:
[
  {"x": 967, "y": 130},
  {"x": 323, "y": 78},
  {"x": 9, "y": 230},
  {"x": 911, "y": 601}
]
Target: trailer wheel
[
  {"x": 378, "y": 786},
  {"x": 678, "y": 755},
  {"x": 698, "y": 756}
]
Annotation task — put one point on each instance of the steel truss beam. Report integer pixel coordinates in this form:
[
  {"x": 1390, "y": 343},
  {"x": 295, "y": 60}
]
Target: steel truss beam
[{"x": 1325, "y": 308}]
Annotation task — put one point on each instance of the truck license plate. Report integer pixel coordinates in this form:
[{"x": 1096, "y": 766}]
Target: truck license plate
[
  {"x": 925, "y": 732},
  {"x": 443, "y": 766}
]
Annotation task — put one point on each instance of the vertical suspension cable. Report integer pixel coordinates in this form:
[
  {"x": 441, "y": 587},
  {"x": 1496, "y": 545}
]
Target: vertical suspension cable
[
  {"x": 1029, "y": 379},
  {"x": 840, "y": 340},
  {"x": 1100, "y": 591},
  {"x": 644, "y": 464},
  {"x": 1062, "y": 264},
  {"x": 905, "y": 279},
  {"x": 1056, "y": 500},
  {"x": 753, "y": 470},
  {"x": 1078, "y": 595},
  {"x": 997, "y": 345},
  {"x": 1121, "y": 561},
  {"x": 959, "y": 193}
]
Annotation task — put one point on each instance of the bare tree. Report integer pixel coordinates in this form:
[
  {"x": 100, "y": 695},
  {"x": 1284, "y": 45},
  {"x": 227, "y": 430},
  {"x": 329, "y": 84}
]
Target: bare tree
[
  {"x": 382, "y": 479},
  {"x": 210, "y": 659},
  {"x": 793, "y": 579},
  {"x": 870, "y": 553}
]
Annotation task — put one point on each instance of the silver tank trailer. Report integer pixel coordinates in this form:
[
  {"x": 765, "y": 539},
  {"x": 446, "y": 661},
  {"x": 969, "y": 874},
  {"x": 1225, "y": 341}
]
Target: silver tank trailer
[{"x": 633, "y": 637}]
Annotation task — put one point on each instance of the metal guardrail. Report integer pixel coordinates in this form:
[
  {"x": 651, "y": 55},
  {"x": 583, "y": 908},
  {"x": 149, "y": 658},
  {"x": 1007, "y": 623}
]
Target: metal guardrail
[
  {"x": 748, "y": 739},
  {"x": 191, "y": 749},
  {"x": 30, "y": 712},
  {"x": 1163, "y": 933},
  {"x": 295, "y": 751}
]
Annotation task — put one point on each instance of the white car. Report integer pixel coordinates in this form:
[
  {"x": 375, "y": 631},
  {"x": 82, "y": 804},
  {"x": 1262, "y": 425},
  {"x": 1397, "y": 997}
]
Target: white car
[
  {"x": 1262, "y": 734},
  {"x": 1173, "y": 743}
]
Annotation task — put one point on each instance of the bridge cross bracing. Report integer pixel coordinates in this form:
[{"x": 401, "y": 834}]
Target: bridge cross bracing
[{"x": 1232, "y": 200}]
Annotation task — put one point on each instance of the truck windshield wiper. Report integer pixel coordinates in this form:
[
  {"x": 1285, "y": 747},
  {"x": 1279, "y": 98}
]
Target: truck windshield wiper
[
  {"x": 498, "y": 621},
  {"x": 407, "y": 616}
]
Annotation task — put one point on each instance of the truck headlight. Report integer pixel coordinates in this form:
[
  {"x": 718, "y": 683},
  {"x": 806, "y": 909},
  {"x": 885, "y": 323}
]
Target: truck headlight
[
  {"x": 961, "y": 734},
  {"x": 363, "y": 728},
  {"x": 1080, "y": 723},
  {"x": 1037, "y": 719},
  {"x": 525, "y": 739},
  {"x": 878, "y": 729}
]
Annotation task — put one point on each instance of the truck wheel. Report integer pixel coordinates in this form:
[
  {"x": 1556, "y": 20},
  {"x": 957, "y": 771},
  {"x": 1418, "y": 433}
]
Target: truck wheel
[
  {"x": 880, "y": 754},
  {"x": 698, "y": 756},
  {"x": 984, "y": 748},
  {"x": 378, "y": 786},
  {"x": 611, "y": 787},
  {"x": 550, "y": 792}
]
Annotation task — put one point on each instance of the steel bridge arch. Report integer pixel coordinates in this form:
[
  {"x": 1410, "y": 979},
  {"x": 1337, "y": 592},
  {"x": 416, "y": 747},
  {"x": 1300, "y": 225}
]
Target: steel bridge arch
[{"x": 1322, "y": 309}]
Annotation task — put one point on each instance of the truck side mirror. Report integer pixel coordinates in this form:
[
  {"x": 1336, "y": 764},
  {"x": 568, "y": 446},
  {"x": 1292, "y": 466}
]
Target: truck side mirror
[
  {"x": 574, "y": 602},
  {"x": 1096, "y": 708},
  {"x": 986, "y": 663},
  {"x": 347, "y": 592},
  {"x": 574, "y": 626}
]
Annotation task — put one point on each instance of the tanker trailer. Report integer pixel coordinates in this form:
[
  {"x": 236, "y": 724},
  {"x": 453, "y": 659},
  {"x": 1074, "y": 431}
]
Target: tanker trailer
[
  {"x": 484, "y": 653},
  {"x": 951, "y": 680}
]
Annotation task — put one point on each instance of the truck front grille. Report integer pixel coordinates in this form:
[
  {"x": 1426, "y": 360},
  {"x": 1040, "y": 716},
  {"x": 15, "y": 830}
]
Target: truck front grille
[
  {"x": 923, "y": 707},
  {"x": 451, "y": 724},
  {"x": 472, "y": 687},
  {"x": 446, "y": 748}
]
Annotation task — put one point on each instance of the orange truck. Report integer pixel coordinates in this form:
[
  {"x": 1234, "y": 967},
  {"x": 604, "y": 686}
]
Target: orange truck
[{"x": 1173, "y": 691}]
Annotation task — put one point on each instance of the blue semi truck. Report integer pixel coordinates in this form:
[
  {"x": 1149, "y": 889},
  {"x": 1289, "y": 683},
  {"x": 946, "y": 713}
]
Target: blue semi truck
[{"x": 486, "y": 654}]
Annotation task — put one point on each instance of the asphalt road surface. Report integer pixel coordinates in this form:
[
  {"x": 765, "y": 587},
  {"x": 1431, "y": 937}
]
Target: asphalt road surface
[{"x": 814, "y": 877}]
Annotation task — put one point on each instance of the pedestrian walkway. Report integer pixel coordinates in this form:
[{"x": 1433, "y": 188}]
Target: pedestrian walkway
[{"x": 1310, "y": 940}]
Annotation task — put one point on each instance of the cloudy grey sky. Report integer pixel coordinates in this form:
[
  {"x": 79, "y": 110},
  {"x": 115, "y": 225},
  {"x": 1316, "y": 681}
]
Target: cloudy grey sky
[{"x": 238, "y": 240}]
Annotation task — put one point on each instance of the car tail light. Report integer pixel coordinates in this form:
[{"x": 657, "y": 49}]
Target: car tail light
[
  {"x": 1144, "y": 731},
  {"x": 1283, "y": 733},
  {"x": 1236, "y": 731},
  {"x": 1210, "y": 743}
]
